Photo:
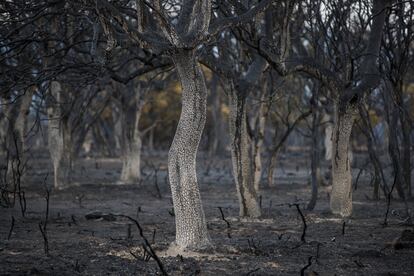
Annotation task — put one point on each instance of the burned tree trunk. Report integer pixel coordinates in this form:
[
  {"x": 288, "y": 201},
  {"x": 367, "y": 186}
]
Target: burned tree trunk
[
  {"x": 341, "y": 196},
  {"x": 131, "y": 144},
  {"x": 257, "y": 140},
  {"x": 241, "y": 156},
  {"x": 315, "y": 156},
  {"x": 59, "y": 137},
  {"x": 191, "y": 227}
]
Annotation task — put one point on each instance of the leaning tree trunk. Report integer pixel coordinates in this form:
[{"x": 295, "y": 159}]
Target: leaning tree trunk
[
  {"x": 191, "y": 227},
  {"x": 131, "y": 144},
  {"x": 59, "y": 138},
  {"x": 241, "y": 156},
  {"x": 341, "y": 196}
]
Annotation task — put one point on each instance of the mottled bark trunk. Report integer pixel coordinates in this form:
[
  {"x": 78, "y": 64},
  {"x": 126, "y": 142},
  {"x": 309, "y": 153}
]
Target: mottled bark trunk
[
  {"x": 341, "y": 196},
  {"x": 59, "y": 138},
  {"x": 241, "y": 156},
  {"x": 131, "y": 142},
  {"x": 191, "y": 227},
  {"x": 257, "y": 143},
  {"x": 328, "y": 138},
  {"x": 271, "y": 168},
  {"x": 257, "y": 165}
]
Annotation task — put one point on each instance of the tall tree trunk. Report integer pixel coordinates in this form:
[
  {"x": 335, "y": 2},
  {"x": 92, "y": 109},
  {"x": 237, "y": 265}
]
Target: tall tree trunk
[
  {"x": 131, "y": 146},
  {"x": 315, "y": 157},
  {"x": 191, "y": 227},
  {"x": 258, "y": 140},
  {"x": 59, "y": 138},
  {"x": 406, "y": 142},
  {"x": 341, "y": 196},
  {"x": 241, "y": 156},
  {"x": 271, "y": 168},
  {"x": 328, "y": 137}
]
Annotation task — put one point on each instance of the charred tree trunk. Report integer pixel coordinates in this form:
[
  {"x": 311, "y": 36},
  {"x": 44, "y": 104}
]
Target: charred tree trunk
[
  {"x": 191, "y": 227},
  {"x": 59, "y": 137},
  {"x": 241, "y": 156},
  {"x": 131, "y": 144},
  {"x": 406, "y": 141},
  {"x": 341, "y": 196},
  {"x": 328, "y": 138},
  {"x": 259, "y": 122},
  {"x": 315, "y": 157}
]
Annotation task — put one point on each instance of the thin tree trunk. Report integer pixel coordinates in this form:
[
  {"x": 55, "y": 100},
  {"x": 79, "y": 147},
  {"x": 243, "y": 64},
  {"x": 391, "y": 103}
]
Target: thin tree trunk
[
  {"x": 328, "y": 138},
  {"x": 341, "y": 196},
  {"x": 258, "y": 140},
  {"x": 59, "y": 138},
  {"x": 271, "y": 168},
  {"x": 191, "y": 227},
  {"x": 278, "y": 146},
  {"x": 151, "y": 140},
  {"x": 315, "y": 158},
  {"x": 406, "y": 145},
  {"x": 131, "y": 146},
  {"x": 376, "y": 163},
  {"x": 241, "y": 156}
]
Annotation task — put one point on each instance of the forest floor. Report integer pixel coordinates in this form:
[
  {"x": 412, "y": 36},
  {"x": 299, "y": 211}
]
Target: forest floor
[{"x": 111, "y": 245}]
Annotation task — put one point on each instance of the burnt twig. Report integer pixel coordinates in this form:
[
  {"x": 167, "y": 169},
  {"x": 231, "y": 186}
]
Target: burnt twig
[
  {"x": 302, "y": 271},
  {"x": 305, "y": 226},
  {"x": 147, "y": 246},
  {"x": 11, "y": 228},
  {"x": 226, "y": 221}
]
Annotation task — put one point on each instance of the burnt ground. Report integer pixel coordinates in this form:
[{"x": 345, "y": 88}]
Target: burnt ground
[{"x": 272, "y": 245}]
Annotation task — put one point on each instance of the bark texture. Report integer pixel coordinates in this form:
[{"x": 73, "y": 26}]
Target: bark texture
[
  {"x": 191, "y": 227},
  {"x": 258, "y": 130},
  {"x": 131, "y": 138},
  {"x": 341, "y": 196},
  {"x": 241, "y": 156}
]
